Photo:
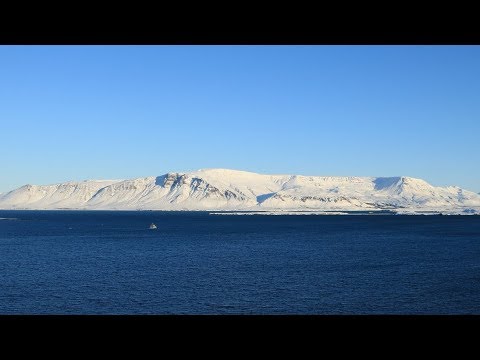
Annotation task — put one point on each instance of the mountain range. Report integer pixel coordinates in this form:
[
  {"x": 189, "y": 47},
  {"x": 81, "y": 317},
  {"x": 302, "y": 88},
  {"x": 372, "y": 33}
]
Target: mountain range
[{"x": 223, "y": 189}]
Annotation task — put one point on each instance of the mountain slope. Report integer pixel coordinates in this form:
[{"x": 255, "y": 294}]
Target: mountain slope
[{"x": 222, "y": 189}]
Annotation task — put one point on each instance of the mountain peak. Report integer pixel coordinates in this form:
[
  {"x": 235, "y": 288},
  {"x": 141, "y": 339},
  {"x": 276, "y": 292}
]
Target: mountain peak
[
  {"x": 221, "y": 171},
  {"x": 227, "y": 189}
]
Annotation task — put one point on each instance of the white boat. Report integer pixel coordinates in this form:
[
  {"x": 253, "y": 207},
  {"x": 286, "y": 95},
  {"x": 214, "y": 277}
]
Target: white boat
[{"x": 153, "y": 226}]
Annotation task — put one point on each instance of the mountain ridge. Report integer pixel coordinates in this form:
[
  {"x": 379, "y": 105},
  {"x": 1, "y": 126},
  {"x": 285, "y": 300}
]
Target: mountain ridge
[{"x": 226, "y": 189}]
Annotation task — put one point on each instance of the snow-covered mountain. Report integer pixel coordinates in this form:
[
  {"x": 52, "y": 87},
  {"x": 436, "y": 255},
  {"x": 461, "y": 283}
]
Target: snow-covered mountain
[{"x": 221, "y": 189}]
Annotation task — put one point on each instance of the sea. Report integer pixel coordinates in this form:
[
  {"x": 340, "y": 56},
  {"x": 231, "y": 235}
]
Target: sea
[{"x": 110, "y": 262}]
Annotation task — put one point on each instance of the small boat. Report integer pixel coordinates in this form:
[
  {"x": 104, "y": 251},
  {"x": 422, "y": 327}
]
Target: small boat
[{"x": 152, "y": 226}]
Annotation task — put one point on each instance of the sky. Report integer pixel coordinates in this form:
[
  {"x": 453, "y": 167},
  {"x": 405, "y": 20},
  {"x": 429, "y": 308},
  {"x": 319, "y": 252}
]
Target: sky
[{"x": 117, "y": 112}]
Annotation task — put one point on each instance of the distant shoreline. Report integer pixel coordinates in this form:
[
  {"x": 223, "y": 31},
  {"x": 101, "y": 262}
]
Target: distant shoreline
[{"x": 383, "y": 212}]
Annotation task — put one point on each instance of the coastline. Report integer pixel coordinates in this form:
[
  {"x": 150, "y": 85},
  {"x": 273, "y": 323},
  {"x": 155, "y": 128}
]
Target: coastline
[{"x": 293, "y": 212}]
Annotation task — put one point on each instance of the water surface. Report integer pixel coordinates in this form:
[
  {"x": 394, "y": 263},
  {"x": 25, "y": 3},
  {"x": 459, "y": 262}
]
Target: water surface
[{"x": 107, "y": 262}]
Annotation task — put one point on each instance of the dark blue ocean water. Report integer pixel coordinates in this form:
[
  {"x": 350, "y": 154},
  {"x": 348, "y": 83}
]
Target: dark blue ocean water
[{"x": 81, "y": 262}]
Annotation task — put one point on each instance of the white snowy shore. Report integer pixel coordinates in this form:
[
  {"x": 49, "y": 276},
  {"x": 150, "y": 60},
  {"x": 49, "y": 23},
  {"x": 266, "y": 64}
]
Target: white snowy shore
[{"x": 220, "y": 190}]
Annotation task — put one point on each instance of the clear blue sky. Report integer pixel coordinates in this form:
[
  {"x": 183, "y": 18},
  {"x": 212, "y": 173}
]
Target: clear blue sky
[{"x": 111, "y": 112}]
